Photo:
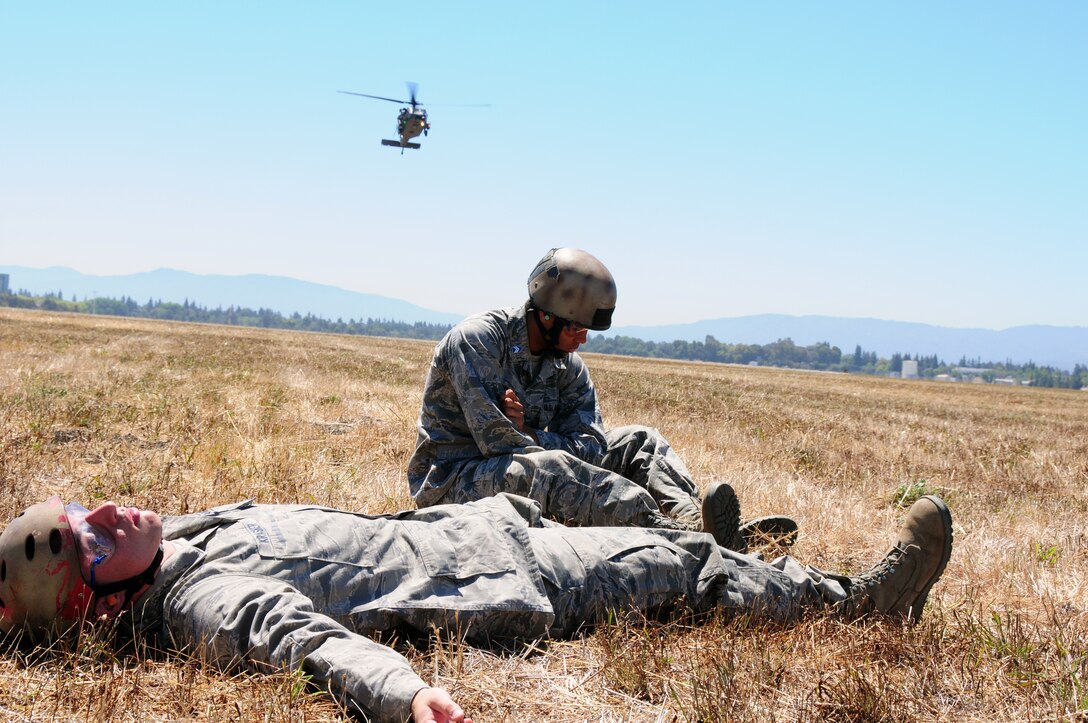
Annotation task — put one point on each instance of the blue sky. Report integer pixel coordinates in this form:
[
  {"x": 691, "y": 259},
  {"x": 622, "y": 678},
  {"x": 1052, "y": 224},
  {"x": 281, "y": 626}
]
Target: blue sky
[{"x": 921, "y": 161}]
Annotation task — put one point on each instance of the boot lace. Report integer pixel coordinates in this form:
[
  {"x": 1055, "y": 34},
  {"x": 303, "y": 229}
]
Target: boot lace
[
  {"x": 860, "y": 600},
  {"x": 668, "y": 523}
]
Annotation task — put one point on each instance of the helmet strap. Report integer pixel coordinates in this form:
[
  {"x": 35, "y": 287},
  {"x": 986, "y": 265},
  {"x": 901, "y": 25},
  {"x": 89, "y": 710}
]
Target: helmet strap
[
  {"x": 550, "y": 336},
  {"x": 133, "y": 584}
]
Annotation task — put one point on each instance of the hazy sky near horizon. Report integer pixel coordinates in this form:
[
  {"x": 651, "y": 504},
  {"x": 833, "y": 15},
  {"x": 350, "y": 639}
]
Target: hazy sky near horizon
[{"x": 921, "y": 161}]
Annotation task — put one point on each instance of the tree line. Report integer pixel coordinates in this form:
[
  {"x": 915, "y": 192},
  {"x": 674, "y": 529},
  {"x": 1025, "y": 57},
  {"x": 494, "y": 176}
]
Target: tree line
[
  {"x": 231, "y": 316},
  {"x": 782, "y": 353}
]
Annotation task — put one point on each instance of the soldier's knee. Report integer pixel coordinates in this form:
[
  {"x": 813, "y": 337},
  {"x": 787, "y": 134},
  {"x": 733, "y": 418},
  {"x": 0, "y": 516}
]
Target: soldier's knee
[
  {"x": 549, "y": 459},
  {"x": 639, "y": 431},
  {"x": 638, "y": 436}
]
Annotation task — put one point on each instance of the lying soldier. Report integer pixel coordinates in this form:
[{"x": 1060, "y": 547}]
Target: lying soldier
[{"x": 301, "y": 587}]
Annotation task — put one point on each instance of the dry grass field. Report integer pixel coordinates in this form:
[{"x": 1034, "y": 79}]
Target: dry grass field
[{"x": 181, "y": 417}]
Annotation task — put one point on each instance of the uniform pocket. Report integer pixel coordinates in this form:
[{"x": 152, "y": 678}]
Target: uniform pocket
[{"x": 461, "y": 547}]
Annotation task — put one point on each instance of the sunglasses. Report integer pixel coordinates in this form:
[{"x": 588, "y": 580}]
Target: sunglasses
[
  {"x": 570, "y": 326},
  {"x": 89, "y": 537}
]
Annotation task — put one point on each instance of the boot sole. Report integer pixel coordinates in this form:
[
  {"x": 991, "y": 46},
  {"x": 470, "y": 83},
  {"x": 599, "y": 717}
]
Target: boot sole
[
  {"x": 721, "y": 516},
  {"x": 770, "y": 530}
]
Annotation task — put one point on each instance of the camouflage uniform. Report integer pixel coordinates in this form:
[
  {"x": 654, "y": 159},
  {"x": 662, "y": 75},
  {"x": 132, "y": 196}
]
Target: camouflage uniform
[
  {"x": 300, "y": 587},
  {"x": 468, "y": 449}
]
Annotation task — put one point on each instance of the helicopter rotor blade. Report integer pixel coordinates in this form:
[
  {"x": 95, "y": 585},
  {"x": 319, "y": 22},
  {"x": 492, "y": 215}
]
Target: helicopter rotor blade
[
  {"x": 376, "y": 97},
  {"x": 412, "y": 92}
]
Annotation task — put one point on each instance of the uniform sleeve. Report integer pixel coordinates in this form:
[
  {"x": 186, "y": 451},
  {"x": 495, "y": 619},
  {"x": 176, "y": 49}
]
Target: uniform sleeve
[
  {"x": 479, "y": 381},
  {"x": 262, "y": 623},
  {"x": 577, "y": 427}
]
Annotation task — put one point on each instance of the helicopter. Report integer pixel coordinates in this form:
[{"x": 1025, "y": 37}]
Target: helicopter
[{"x": 411, "y": 121}]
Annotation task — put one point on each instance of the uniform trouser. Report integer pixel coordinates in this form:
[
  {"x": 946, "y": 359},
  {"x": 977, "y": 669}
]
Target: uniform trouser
[
  {"x": 590, "y": 573},
  {"x": 638, "y": 477}
]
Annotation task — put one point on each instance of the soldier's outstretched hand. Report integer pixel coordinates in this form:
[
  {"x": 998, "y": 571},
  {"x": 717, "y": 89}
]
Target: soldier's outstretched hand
[{"x": 434, "y": 705}]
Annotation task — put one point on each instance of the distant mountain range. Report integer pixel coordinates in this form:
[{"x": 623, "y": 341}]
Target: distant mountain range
[
  {"x": 255, "y": 291},
  {"x": 1056, "y": 346}
]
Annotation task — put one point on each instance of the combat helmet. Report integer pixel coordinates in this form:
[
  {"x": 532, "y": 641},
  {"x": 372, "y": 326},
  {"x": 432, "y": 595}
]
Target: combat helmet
[
  {"x": 42, "y": 591},
  {"x": 575, "y": 286}
]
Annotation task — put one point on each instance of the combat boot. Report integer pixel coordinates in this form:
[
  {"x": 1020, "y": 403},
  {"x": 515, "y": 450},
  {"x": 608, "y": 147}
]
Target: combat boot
[
  {"x": 721, "y": 516},
  {"x": 769, "y": 530},
  {"x": 899, "y": 584}
]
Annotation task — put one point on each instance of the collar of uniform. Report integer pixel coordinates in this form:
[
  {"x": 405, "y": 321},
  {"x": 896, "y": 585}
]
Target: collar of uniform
[
  {"x": 518, "y": 334},
  {"x": 148, "y": 610},
  {"x": 519, "y": 345}
]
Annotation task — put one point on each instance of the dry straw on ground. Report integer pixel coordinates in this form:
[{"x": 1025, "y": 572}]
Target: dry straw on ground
[{"x": 182, "y": 417}]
